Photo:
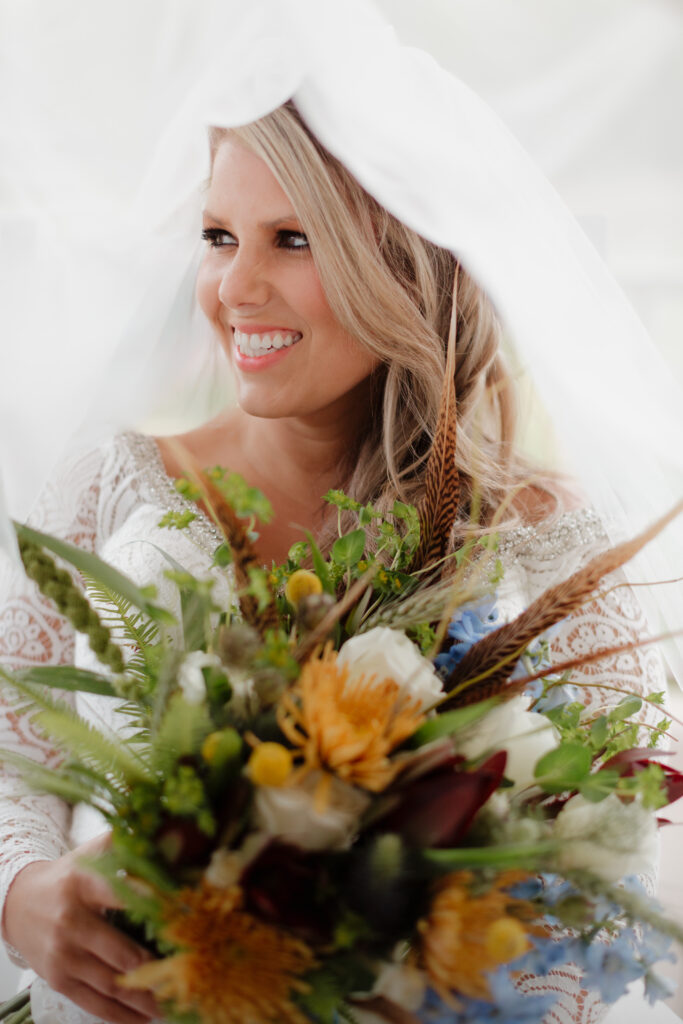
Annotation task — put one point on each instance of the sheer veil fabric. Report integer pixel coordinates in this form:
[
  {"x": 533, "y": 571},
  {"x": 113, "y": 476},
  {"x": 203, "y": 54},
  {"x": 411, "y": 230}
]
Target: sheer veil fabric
[{"x": 106, "y": 155}]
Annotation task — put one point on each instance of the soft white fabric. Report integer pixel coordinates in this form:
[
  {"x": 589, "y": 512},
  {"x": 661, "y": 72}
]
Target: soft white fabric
[
  {"x": 110, "y": 501},
  {"x": 419, "y": 141}
]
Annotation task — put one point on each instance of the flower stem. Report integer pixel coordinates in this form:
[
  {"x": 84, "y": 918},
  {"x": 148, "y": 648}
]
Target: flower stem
[{"x": 531, "y": 855}]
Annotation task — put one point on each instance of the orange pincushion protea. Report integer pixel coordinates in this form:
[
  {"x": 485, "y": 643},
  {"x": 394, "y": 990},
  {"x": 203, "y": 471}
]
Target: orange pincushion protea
[
  {"x": 347, "y": 727},
  {"x": 235, "y": 969},
  {"x": 466, "y": 935}
]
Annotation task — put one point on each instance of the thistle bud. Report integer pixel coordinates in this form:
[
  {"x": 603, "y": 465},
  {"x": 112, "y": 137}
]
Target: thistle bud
[
  {"x": 237, "y": 644},
  {"x": 312, "y": 609}
]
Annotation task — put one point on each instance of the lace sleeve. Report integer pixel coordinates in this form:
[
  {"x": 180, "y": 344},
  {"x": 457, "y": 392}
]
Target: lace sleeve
[
  {"x": 34, "y": 827},
  {"x": 613, "y": 618}
]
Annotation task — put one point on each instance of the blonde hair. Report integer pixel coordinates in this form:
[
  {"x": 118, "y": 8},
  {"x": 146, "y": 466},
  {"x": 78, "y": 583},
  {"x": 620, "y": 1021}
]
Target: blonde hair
[{"x": 392, "y": 290}]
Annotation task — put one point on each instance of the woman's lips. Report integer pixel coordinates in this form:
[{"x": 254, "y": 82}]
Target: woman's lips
[{"x": 261, "y": 348}]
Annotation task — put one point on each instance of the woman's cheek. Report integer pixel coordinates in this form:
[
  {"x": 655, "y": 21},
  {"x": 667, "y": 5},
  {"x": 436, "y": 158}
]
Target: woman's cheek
[{"x": 206, "y": 292}]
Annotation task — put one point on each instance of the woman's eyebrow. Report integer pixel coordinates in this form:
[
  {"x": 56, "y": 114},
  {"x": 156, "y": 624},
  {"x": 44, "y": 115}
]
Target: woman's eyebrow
[{"x": 289, "y": 218}]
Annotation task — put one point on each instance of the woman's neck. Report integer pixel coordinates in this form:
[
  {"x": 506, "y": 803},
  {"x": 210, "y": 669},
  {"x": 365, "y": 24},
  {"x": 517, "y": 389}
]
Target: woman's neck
[{"x": 293, "y": 461}]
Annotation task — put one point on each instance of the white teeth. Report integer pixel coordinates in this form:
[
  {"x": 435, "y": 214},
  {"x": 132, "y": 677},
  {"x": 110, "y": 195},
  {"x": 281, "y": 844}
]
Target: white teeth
[{"x": 260, "y": 344}]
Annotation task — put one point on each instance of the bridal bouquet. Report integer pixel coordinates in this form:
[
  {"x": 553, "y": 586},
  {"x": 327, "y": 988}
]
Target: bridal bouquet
[{"x": 355, "y": 793}]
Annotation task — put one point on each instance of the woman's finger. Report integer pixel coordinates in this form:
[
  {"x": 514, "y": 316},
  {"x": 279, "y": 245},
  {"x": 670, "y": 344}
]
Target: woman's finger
[
  {"x": 101, "y": 1006},
  {"x": 108, "y": 944},
  {"x": 94, "y": 891},
  {"x": 96, "y": 975}
]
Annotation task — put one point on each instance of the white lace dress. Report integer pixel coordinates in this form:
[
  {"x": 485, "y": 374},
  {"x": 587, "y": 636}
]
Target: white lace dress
[{"x": 110, "y": 501}]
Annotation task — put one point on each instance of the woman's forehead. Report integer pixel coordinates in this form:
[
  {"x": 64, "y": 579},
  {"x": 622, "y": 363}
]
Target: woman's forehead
[{"x": 242, "y": 183}]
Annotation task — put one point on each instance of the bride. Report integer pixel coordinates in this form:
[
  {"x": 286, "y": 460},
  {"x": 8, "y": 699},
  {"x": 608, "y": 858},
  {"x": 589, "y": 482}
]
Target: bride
[{"x": 333, "y": 315}]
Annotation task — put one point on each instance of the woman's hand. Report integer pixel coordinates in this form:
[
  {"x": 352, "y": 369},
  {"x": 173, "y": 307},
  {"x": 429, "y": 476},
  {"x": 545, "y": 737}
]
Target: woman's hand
[{"x": 54, "y": 918}]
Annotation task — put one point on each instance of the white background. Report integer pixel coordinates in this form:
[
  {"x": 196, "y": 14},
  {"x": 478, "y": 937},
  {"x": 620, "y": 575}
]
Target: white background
[{"x": 594, "y": 90}]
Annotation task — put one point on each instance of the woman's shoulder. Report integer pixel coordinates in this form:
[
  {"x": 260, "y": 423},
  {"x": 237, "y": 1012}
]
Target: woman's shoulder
[
  {"x": 93, "y": 488},
  {"x": 573, "y": 531}
]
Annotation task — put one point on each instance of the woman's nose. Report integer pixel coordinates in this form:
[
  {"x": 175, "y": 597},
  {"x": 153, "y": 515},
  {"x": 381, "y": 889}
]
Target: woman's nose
[{"x": 244, "y": 281}]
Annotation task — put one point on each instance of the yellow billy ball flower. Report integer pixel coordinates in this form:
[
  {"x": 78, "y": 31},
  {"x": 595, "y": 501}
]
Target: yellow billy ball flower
[
  {"x": 220, "y": 747},
  {"x": 300, "y": 584},
  {"x": 270, "y": 764},
  {"x": 506, "y": 939}
]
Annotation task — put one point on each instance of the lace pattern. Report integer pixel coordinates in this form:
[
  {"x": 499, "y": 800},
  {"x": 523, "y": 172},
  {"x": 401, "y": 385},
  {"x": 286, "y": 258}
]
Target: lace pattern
[{"x": 110, "y": 501}]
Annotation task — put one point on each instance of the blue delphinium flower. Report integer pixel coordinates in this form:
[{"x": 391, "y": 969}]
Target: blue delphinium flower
[
  {"x": 507, "y": 1005},
  {"x": 556, "y": 696},
  {"x": 467, "y": 627},
  {"x": 657, "y": 987},
  {"x": 610, "y": 967}
]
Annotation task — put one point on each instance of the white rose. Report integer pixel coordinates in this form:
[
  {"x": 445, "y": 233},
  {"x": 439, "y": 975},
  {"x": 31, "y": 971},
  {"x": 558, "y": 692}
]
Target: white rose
[
  {"x": 244, "y": 700},
  {"x": 403, "y": 983},
  {"x": 190, "y": 677},
  {"x": 612, "y": 839},
  {"x": 289, "y": 813},
  {"x": 387, "y": 653},
  {"x": 525, "y": 736}
]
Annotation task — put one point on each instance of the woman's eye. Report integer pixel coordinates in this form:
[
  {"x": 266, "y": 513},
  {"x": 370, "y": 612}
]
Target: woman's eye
[
  {"x": 218, "y": 238},
  {"x": 292, "y": 240}
]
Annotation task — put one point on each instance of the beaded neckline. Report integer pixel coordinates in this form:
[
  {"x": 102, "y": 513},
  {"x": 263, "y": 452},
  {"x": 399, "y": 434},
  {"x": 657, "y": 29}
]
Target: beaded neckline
[
  {"x": 575, "y": 528},
  {"x": 150, "y": 464}
]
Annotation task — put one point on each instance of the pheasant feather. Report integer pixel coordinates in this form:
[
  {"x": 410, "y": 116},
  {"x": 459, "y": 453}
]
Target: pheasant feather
[
  {"x": 439, "y": 506},
  {"x": 487, "y": 666}
]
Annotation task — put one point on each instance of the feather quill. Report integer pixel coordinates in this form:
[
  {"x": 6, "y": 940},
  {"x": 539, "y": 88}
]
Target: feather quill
[
  {"x": 439, "y": 506},
  {"x": 487, "y": 666}
]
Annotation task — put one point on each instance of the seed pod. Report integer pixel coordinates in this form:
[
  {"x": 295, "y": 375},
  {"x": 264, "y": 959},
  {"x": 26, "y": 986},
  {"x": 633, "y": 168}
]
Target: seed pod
[
  {"x": 312, "y": 610},
  {"x": 237, "y": 644}
]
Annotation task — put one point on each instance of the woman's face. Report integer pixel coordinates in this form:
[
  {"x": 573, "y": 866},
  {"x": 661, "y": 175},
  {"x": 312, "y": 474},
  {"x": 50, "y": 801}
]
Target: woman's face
[{"x": 259, "y": 287}]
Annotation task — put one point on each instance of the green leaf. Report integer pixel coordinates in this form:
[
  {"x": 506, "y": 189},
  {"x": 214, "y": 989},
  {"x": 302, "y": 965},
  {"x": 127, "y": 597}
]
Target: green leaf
[
  {"x": 67, "y": 677},
  {"x": 222, "y": 556},
  {"x": 247, "y": 501},
  {"x": 342, "y": 501},
  {"x": 599, "y": 785},
  {"x": 450, "y": 722},
  {"x": 330, "y": 984},
  {"x": 563, "y": 768},
  {"x": 177, "y": 520},
  {"x": 95, "y": 567},
  {"x": 259, "y": 587},
  {"x": 599, "y": 732},
  {"x": 320, "y": 565},
  {"x": 297, "y": 553},
  {"x": 410, "y": 516},
  {"x": 625, "y": 708},
  {"x": 348, "y": 550}
]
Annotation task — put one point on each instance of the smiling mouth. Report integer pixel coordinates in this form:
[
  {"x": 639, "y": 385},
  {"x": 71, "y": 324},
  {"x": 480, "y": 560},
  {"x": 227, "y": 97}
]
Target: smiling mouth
[{"x": 255, "y": 345}]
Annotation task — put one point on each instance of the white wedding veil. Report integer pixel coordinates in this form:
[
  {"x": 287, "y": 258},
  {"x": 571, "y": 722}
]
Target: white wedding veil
[{"x": 97, "y": 281}]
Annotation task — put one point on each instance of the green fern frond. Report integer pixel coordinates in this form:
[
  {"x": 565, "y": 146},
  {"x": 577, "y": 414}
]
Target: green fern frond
[
  {"x": 181, "y": 732},
  {"x": 87, "y": 743},
  {"x": 166, "y": 685},
  {"x": 120, "y": 615},
  {"x": 64, "y": 724},
  {"x": 59, "y": 782}
]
